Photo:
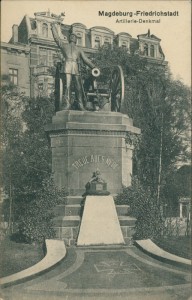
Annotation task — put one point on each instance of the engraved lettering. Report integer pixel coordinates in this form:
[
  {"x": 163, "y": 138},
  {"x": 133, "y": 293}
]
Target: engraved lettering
[
  {"x": 75, "y": 164},
  {"x": 114, "y": 165},
  {"x": 95, "y": 159},
  {"x": 80, "y": 163},
  {"x": 108, "y": 162},
  {"x": 99, "y": 158},
  {"x": 84, "y": 160}
]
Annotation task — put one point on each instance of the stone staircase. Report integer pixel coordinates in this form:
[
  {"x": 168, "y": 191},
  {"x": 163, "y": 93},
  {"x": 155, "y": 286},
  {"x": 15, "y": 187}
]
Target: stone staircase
[{"x": 68, "y": 217}]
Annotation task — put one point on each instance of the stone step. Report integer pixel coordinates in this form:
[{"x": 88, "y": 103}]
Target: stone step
[
  {"x": 72, "y": 221},
  {"x": 73, "y": 210},
  {"x": 66, "y": 221},
  {"x": 59, "y": 210},
  {"x": 76, "y": 210},
  {"x": 126, "y": 221},
  {"x": 68, "y": 210},
  {"x": 72, "y": 200},
  {"x": 128, "y": 231},
  {"x": 79, "y": 200},
  {"x": 123, "y": 210}
]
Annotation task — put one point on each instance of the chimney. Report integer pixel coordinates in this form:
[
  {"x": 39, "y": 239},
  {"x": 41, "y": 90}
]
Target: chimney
[{"x": 15, "y": 33}]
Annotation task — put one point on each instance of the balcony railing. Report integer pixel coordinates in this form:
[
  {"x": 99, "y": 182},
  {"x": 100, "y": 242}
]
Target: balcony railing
[{"x": 41, "y": 70}]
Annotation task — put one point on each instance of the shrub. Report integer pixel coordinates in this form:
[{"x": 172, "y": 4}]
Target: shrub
[
  {"x": 144, "y": 207},
  {"x": 36, "y": 222}
]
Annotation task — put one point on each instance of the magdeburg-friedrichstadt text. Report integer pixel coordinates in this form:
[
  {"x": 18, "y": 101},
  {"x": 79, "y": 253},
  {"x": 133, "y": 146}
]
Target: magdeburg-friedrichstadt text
[{"x": 138, "y": 13}]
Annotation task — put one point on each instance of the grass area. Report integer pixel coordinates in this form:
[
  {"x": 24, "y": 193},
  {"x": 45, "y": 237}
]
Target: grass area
[
  {"x": 178, "y": 245},
  {"x": 16, "y": 257}
]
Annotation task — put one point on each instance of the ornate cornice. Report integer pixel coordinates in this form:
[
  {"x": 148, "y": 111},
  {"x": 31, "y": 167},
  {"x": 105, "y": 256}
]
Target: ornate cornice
[{"x": 65, "y": 132}]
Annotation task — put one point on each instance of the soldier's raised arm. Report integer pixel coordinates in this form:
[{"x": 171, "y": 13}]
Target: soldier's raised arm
[{"x": 56, "y": 35}]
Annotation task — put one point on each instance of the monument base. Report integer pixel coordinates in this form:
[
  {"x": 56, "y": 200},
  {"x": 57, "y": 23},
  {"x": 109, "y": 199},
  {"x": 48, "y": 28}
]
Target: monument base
[
  {"x": 68, "y": 215},
  {"x": 83, "y": 142},
  {"x": 100, "y": 224}
]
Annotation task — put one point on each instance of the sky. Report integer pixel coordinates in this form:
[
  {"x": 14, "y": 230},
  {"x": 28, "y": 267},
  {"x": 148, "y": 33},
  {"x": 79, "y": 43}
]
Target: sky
[{"x": 174, "y": 31}]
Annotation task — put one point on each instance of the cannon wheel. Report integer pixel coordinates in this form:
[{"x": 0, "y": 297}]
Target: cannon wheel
[
  {"x": 58, "y": 89},
  {"x": 117, "y": 89}
]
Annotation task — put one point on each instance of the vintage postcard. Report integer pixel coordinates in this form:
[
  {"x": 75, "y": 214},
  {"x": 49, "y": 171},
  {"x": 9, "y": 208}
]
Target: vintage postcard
[{"x": 95, "y": 150}]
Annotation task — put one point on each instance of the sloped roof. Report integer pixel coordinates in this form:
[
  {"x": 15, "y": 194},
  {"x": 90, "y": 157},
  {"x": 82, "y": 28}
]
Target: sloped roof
[
  {"x": 78, "y": 25},
  {"x": 124, "y": 33},
  {"x": 102, "y": 28}
]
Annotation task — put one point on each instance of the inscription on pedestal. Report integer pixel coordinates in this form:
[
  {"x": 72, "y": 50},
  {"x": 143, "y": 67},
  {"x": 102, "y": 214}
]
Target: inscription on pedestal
[
  {"x": 99, "y": 187},
  {"x": 95, "y": 159}
]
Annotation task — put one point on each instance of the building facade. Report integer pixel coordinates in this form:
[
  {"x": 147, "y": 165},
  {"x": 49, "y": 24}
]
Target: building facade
[
  {"x": 31, "y": 54},
  {"x": 15, "y": 65}
]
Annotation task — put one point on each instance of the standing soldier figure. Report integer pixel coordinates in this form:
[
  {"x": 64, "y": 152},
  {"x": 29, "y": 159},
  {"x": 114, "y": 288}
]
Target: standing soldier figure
[{"x": 72, "y": 55}]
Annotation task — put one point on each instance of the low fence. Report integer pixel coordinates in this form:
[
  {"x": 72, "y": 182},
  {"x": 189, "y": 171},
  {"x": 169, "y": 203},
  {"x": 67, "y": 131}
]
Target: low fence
[{"x": 176, "y": 226}]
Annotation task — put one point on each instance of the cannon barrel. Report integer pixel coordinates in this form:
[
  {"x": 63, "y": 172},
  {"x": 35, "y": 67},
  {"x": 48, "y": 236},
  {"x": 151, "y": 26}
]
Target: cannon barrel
[{"x": 95, "y": 72}]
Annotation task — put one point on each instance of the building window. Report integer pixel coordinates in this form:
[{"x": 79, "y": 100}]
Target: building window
[
  {"x": 124, "y": 45},
  {"x": 13, "y": 75},
  {"x": 50, "y": 89},
  {"x": 145, "y": 52},
  {"x": 51, "y": 57},
  {"x": 79, "y": 39},
  {"x": 33, "y": 25},
  {"x": 97, "y": 42},
  {"x": 152, "y": 51},
  {"x": 106, "y": 42},
  {"x": 45, "y": 30},
  {"x": 55, "y": 58},
  {"x": 40, "y": 87},
  {"x": 43, "y": 56}
]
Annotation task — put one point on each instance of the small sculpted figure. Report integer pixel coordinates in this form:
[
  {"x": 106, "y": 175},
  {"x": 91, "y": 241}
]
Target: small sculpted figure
[{"x": 96, "y": 177}]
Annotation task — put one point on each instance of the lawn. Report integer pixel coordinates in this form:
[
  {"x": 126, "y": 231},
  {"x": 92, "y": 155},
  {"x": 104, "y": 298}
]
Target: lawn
[
  {"x": 16, "y": 257},
  {"x": 178, "y": 245}
]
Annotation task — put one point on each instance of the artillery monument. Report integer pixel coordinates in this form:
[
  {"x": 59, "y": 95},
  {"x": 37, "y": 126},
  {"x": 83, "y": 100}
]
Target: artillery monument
[{"x": 88, "y": 133}]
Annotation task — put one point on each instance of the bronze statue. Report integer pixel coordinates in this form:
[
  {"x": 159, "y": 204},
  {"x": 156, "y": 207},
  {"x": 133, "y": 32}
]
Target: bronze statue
[{"x": 70, "y": 69}]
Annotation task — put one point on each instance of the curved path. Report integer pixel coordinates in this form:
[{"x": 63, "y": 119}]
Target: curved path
[
  {"x": 152, "y": 249},
  {"x": 98, "y": 273},
  {"x": 56, "y": 252}
]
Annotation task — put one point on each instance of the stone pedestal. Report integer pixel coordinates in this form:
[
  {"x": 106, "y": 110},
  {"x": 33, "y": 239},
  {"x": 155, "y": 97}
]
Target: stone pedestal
[{"x": 82, "y": 142}]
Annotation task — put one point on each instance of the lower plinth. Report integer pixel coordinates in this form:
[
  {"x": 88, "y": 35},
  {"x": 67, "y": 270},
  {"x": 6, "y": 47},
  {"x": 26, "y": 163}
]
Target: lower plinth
[{"x": 68, "y": 217}]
